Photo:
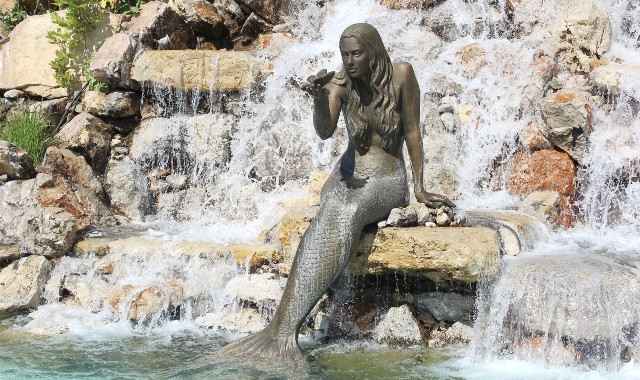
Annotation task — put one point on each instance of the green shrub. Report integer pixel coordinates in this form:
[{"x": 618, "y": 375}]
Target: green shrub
[
  {"x": 9, "y": 19},
  {"x": 30, "y": 131},
  {"x": 122, "y": 6},
  {"x": 72, "y": 59}
]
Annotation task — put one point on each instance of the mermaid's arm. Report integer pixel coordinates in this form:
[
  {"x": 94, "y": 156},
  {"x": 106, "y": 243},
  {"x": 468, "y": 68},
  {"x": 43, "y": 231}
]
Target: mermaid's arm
[
  {"x": 326, "y": 110},
  {"x": 411, "y": 121},
  {"x": 413, "y": 137}
]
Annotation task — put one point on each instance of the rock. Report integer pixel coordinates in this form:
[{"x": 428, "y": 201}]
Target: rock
[
  {"x": 38, "y": 230},
  {"x": 85, "y": 206},
  {"x": 8, "y": 253},
  {"x": 14, "y": 94},
  {"x": 270, "y": 10},
  {"x": 465, "y": 255},
  {"x": 15, "y": 163},
  {"x": 291, "y": 228},
  {"x": 245, "y": 255},
  {"x": 126, "y": 198},
  {"x": 409, "y": 4},
  {"x": 443, "y": 219},
  {"x": 112, "y": 62},
  {"x": 117, "y": 297},
  {"x": 545, "y": 170},
  {"x": 7, "y": 5},
  {"x": 567, "y": 121},
  {"x": 455, "y": 19},
  {"x": 215, "y": 129},
  {"x": 616, "y": 79},
  {"x": 578, "y": 36},
  {"x": 247, "y": 320},
  {"x": 252, "y": 28},
  {"x": 472, "y": 57},
  {"x": 24, "y": 57},
  {"x": 152, "y": 301},
  {"x": 204, "y": 70},
  {"x": 441, "y": 86},
  {"x": 446, "y": 306},
  {"x": 72, "y": 167},
  {"x": 115, "y": 104},
  {"x": 398, "y": 326},
  {"x": 22, "y": 284},
  {"x": 532, "y": 138},
  {"x": 401, "y": 217},
  {"x": 206, "y": 21},
  {"x": 546, "y": 203},
  {"x": 156, "y": 21},
  {"x": 263, "y": 290},
  {"x": 87, "y": 135},
  {"x": 52, "y": 109},
  {"x": 525, "y": 16},
  {"x": 456, "y": 333}
]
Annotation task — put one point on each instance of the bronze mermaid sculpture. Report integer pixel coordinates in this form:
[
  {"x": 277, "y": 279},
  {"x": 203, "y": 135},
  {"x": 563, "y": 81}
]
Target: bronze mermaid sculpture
[{"x": 380, "y": 102}]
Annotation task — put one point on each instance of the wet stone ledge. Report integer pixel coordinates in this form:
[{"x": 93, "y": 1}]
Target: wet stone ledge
[{"x": 203, "y": 70}]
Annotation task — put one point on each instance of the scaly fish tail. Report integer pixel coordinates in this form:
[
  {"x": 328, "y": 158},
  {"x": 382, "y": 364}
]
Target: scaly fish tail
[{"x": 263, "y": 345}]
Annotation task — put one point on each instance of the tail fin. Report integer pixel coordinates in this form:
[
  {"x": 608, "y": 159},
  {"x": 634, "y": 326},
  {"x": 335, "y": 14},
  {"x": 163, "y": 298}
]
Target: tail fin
[{"x": 262, "y": 345}]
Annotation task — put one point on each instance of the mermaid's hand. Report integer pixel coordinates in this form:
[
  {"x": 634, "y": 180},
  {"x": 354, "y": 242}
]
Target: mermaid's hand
[
  {"x": 314, "y": 85},
  {"x": 433, "y": 200}
]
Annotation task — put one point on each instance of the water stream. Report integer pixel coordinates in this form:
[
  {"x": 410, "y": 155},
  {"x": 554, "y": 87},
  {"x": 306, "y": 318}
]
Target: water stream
[{"x": 565, "y": 309}]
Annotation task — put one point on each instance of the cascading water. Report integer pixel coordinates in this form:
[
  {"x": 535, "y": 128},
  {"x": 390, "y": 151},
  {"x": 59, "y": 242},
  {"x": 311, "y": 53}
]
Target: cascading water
[{"x": 570, "y": 300}]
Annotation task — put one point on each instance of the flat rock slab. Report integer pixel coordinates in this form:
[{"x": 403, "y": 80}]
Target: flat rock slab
[
  {"x": 463, "y": 254},
  {"x": 204, "y": 70},
  {"x": 22, "y": 284},
  {"x": 252, "y": 256}
]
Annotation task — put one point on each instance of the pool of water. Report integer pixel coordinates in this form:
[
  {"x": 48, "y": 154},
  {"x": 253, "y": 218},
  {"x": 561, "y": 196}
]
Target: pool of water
[{"x": 189, "y": 354}]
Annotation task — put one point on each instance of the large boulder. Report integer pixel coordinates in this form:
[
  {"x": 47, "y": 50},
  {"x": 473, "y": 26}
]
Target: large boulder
[
  {"x": 578, "y": 37},
  {"x": 22, "y": 284},
  {"x": 15, "y": 163},
  {"x": 545, "y": 170},
  {"x": 26, "y": 55},
  {"x": 114, "y": 104},
  {"x": 121, "y": 183},
  {"x": 567, "y": 121},
  {"x": 463, "y": 255},
  {"x": 159, "y": 26},
  {"x": 206, "y": 21},
  {"x": 204, "y": 70},
  {"x": 398, "y": 326},
  {"x": 112, "y": 62},
  {"x": 72, "y": 167},
  {"x": 39, "y": 230},
  {"x": 263, "y": 290},
  {"x": 89, "y": 136},
  {"x": 270, "y": 10},
  {"x": 446, "y": 306}
]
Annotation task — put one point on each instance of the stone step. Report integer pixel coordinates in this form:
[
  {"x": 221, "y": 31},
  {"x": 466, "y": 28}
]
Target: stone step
[{"x": 204, "y": 70}]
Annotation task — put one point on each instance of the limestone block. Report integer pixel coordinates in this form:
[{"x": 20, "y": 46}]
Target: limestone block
[
  {"x": 89, "y": 136},
  {"x": 204, "y": 70},
  {"x": 22, "y": 284},
  {"x": 465, "y": 254},
  {"x": 114, "y": 104},
  {"x": 398, "y": 326}
]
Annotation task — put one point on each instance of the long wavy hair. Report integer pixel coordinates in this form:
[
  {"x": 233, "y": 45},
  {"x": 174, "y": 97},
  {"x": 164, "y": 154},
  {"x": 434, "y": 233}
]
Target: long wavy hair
[{"x": 384, "y": 96}]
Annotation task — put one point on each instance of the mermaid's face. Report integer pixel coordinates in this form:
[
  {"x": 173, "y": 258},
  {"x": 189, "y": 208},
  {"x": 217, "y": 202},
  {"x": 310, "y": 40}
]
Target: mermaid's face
[{"x": 354, "y": 57}]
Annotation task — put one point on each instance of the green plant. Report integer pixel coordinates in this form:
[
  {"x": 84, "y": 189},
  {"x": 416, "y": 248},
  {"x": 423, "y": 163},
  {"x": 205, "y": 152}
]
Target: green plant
[
  {"x": 72, "y": 59},
  {"x": 122, "y": 6},
  {"x": 9, "y": 19},
  {"x": 29, "y": 130}
]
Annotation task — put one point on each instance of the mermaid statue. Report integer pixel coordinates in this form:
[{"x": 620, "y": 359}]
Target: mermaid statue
[{"x": 380, "y": 102}]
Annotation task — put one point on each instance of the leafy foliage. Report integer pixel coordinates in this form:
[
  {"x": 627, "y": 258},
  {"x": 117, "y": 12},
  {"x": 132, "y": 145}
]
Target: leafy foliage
[
  {"x": 72, "y": 59},
  {"x": 9, "y": 19},
  {"x": 30, "y": 131},
  {"x": 122, "y": 6}
]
